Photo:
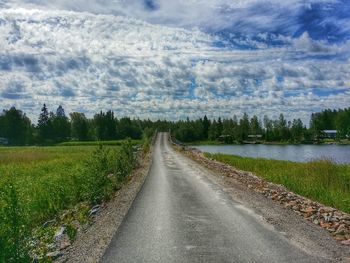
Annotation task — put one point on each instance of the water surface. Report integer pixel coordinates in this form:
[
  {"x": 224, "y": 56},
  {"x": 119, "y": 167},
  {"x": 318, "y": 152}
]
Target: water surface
[{"x": 297, "y": 153}]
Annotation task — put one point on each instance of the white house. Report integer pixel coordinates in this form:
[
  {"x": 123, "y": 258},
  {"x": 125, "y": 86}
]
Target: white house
[{"x": 330, "y": 133}]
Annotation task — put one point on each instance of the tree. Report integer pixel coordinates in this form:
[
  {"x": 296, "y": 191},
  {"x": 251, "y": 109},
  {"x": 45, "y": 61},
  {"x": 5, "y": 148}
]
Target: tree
[
  {"x": 268, "y": 124},
  {"x": 15, "y": 126},
  {"x": 79, "y": 126},
  {"x": 213, "y": 133},
  {"x": 219, "y": 127},
  {"x": 255, "y": 125},
  {"x": 282, "y": 128},
  {"x": 206, "y": 125},
  {"x": 126, "y": 128},
  {"x": 244, "y": 127},
  {"x": 60, "y": 112},
  {"x": 44, "y": 124},
  {"x": 60, "y": 125},
  {"x": 342, "y": 123},
  {"x": 297, "y": 130},
  {"x": 105, "y": 126}
]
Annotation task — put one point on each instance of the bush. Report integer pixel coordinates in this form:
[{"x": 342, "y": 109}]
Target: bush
[
  {"x": 42, "y": 182},
  {"x": 125, "y": 161},
  {"x": 13, "y": 231}
]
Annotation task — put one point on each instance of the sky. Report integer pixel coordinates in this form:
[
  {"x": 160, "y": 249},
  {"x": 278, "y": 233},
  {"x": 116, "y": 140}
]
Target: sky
[{"x": 175, "y": 59}]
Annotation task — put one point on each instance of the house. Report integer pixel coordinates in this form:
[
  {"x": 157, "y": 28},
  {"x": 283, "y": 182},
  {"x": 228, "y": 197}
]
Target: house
[
  {"x": 253, "y": 139},
  {"x": 4, "y": 141},
  {"x": 331, "y": 134}
]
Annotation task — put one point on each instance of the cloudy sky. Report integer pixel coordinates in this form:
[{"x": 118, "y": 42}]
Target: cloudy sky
[{"x": 178, "y": 58}]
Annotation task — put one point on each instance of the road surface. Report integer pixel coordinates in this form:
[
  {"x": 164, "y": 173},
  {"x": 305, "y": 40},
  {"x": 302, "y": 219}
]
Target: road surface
[{"x": 181, "y": 216}]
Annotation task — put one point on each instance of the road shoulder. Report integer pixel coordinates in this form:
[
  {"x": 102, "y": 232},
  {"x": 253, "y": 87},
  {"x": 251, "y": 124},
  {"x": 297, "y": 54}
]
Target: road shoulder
[{"x": 91, "y": 244}]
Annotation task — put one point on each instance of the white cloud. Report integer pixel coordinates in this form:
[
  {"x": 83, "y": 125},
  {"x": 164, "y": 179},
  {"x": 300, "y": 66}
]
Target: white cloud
[{"x": 100, "y": 61}]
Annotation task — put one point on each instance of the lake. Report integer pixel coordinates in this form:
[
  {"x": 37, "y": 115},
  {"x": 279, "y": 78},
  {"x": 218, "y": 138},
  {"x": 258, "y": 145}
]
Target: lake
[{"x": 297, "y": 153}]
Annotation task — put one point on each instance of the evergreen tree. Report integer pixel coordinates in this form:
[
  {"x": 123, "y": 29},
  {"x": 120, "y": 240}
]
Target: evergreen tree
[
  {"x": 219, "y": 128},
  {"x": 255, "y": 125},
  {"x": 44, "y": 125},
  {"x": 213, "y": 131},
  {"x": 60, "y": 125},
  {"x": 282, "y": 128},
  {"x": 60, "y": 112},
  {"x": 244, "y": 127},
  {"x": 206, "y": 125},
  {"x": 297, "y": 130}
]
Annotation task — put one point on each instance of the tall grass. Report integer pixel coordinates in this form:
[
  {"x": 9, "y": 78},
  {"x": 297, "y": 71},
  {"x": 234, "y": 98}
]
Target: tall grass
[
  {"x": 321, "y": 180},
  {"x": 37, "y": 183}
]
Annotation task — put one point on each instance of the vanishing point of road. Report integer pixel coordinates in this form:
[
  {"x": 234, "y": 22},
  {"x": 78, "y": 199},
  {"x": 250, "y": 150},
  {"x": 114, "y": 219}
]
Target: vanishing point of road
[{"x": 180, "y": 215}]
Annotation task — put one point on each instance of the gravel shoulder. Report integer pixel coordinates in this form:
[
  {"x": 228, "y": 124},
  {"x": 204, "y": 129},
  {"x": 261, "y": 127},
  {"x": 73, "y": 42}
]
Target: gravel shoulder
[
  {"x": 304, "y": 234},
  {"x": 91, "y": 244}
]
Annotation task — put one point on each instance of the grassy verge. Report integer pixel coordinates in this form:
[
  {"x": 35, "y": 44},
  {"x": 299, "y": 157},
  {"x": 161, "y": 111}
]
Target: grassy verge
[
  {"x": 322, "y": 180},
  {"x": 96, "y": 143},
  {"x": 38, "y": 183}
]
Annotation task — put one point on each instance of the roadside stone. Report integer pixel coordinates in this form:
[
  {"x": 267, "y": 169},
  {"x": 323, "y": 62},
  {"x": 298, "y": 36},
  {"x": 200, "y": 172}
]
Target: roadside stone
[
  {"x": 48, "y": 223},
  {"x": 309, "y": 210},
  {"x": 345, "y": 218},
  {"x": 65, "y": 244},
  {"x": 325, "y": 225},
  {"x": 59, "y": 234},
  {"x": 94, "y": 210},
  {"x": 295, "y": 208},
  {"x": 346, "y": 242},
  {"x": 54, "y": 255},
  {"x": 341, "y": 230},
  {"x": 325, "y": 209},
  {"x": 327, "y": 217}
]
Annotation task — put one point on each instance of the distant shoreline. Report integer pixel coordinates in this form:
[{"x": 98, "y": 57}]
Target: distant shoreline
[{"x": 267, "y": 143}]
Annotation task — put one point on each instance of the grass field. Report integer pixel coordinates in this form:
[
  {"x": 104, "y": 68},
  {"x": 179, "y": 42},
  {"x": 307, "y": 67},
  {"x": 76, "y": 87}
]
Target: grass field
[
  {"x": 322, "y": 181},
  {"x": 37, "y": 183},
  {"x": 95, "y": 143}
]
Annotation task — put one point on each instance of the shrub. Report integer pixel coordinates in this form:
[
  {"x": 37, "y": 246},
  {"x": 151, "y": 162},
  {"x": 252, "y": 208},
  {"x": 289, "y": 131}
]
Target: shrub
[{"x": 13, "y": 231}]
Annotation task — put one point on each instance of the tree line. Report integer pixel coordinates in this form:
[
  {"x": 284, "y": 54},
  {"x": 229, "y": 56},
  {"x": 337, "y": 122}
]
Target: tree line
[
  {"x": 53, "y": 127},
  {"x": 245, "y": 129}
]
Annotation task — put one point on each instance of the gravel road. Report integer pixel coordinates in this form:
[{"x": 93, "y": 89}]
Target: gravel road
[{"x": 182, "y": 215}]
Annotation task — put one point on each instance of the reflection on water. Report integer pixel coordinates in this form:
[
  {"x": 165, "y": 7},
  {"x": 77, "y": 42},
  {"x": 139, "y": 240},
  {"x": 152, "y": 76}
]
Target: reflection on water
[{"x": 297, "y": 153}]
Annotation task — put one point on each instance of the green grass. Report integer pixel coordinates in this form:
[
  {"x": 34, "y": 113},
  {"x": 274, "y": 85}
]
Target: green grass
[
  {"x": 95, "y": 143},
  {"x": 321, "y": 180},
  {"x": 37, "y": 183}
]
